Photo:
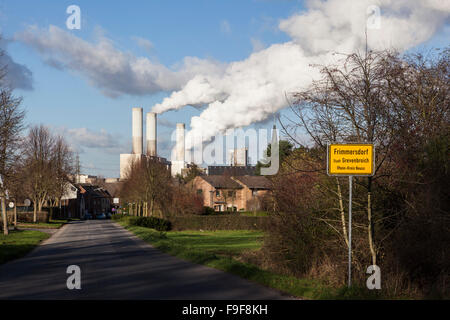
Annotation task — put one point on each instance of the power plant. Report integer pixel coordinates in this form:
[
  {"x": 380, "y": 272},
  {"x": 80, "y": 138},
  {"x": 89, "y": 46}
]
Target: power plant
[{"x": 137, "y": 153}]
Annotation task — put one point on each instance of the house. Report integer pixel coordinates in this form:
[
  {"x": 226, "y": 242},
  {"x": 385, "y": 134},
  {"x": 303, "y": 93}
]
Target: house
[
  {"x": 82, "y": 198},
  {"x": 114, "y": 189},
  {"x": 254, "y": 189},
  {"x": 231, "y": 193},
  {"x": 219, "y": 192},
  {"x": 72, "y": 202},
  {"x": 97, "y": 199}
]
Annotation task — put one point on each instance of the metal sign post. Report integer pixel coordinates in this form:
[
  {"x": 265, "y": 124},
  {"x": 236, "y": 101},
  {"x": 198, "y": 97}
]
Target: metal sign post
[
  {"x": 350, "y": 159},
  {"x": 350, "y": 182}
]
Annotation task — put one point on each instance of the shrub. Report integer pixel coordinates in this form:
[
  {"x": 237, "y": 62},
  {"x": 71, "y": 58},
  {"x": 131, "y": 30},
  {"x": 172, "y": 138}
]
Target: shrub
[
  {"x": 150, "y": 222},
  {"x": 208, "y": 211},
  {"x": 219, "y": 222},
  {"x": 118, "y": 216}
]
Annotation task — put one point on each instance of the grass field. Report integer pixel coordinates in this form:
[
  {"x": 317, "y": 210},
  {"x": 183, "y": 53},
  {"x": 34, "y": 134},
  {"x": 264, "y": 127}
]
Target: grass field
[
  {"x": 18, "y": 243},
  {"x": 220, "y": 242},
  {"x": 221, "y": 249},
  {"x": 52, "y": 224}
]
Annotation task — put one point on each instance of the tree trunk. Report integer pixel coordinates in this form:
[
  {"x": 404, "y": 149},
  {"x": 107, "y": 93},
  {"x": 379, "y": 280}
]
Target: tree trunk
[
  {"x": 341, "y": 209},
  {"x": 4, "y": 218},
  {"x": 15, "y": 214},
  {"x": 35, "y": 211},
  {"x": 151, "y": 207}
]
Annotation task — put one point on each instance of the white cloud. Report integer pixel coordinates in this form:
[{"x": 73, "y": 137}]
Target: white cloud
[
  {"x": 252, "y": 89},
  {"x": 114, "y": 72},
  {"x": 81, "y": 138},
  {"x": 143, "y": 43},
  {"x": 257, "y": 44},
  {"x": 166, "y": 123},
  {"x": 225, "y": 27},
  {"x": 17, "y": 75},
  {"x": 247, "y": 91}
]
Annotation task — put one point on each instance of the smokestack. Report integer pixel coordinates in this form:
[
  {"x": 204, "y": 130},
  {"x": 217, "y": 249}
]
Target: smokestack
[
  {"x": 151, "y": 134},
  {"x": 137, "y": 130},
  {"x": 180, "y": 142}
]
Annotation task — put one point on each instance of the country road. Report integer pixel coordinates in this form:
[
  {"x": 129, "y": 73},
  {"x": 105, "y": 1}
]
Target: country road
[{"x": 116, "y": 265}]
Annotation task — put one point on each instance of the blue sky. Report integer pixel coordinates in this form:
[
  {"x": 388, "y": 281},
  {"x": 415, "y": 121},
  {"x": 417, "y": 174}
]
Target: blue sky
[
  {"x": 223, "y": 31},
  {"x": 175, "y": 28}
]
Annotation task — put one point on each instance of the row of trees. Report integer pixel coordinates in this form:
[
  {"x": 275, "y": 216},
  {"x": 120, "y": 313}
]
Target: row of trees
[
  {"x": 150, "y": 190},
  {"x": 34, "y": 166},
  {"x": 401, "y": 214}
]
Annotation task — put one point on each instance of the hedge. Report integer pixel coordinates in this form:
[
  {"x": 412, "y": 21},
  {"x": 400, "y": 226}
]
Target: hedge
[
  {"x": 216, "y": 222},
  {"x": 150, "y": 222}
]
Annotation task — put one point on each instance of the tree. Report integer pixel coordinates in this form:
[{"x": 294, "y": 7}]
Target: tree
[
  {"x": 61, "y": 166},
  {"x": 285, "y": 150},
  {"x": 149, "y": 186},
  {"x": 349, "y": 105},
  {"x": 16, "y": 188},
  {"x": 401, "y": 105},
  {"x": 39, "y": 153},
  {"x": 192, "y": 172},
  {"x": 11, "y": 124}
]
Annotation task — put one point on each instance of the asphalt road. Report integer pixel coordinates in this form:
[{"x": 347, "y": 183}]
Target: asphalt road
[{"x": 117, "y": 265}]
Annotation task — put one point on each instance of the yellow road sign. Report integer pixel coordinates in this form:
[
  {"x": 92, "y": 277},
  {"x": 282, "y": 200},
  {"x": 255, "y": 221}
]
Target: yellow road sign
[{"x": 350, "y": 159}]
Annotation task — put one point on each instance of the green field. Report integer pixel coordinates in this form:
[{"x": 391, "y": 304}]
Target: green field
[
  {"x": 52, "y": 224},
  {"x": 18, "y": 243},
  {"x": 220, "y": 242},
  {"x": 221, "y": 249}
]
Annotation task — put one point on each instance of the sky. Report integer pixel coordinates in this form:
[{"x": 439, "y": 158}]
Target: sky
[{"x": 211, "y": 64}]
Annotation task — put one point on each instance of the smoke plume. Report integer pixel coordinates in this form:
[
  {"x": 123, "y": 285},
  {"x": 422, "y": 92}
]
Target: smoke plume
[{"x": 251, "y": 90}]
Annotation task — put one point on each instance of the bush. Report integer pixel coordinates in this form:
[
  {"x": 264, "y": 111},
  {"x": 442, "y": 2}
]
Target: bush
[
  {"x": 150, "y": 222},
  {"x": 208, "y": 211},
  {"x": 118, "y": 216},
  {"x": 219, "y": 222}
]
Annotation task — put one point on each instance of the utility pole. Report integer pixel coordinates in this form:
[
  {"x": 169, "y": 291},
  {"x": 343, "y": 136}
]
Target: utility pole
[{"x": 77, "y": 169}]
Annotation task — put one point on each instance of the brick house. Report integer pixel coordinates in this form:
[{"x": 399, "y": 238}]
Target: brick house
[
  {"x": 219, "y": 192},
  {"x": 80, "y": 198},
  {"x": 254, "y": 189},
  {"x": 225, "y": 193}
]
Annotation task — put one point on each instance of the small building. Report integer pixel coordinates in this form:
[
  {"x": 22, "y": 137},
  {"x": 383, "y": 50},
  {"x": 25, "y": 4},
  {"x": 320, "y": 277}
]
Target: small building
[
  {"x": 82, "y": 198},
  {"x": 219, "y": 192},
  {"x": 114, "y": 189},
  {"x": 72, "y": 202},
  {"x": 254, "y": 189},
  {"x": 232, "y": 193}
]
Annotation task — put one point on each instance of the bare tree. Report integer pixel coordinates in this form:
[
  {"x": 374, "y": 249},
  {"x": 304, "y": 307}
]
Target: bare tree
[
  {"x": 401, "y": 105},
  {"x": 11, "y": 125},
  {"x": 61, "y": 167},
  {"x": 149, "y": 186},
  {"x": 349, "y": 105},
  {"x": 38, "y": 151}
]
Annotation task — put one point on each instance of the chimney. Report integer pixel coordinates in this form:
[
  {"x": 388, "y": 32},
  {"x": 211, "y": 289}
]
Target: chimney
[
  {"x": 151, "y": 134},
  {"x": 180, "y": 142},
  {"x": 137, "y": 130}
]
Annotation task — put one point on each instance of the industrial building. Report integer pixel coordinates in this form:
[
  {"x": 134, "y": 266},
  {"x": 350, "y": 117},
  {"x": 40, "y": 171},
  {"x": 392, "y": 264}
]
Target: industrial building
[{"x": 176, "y": 166}]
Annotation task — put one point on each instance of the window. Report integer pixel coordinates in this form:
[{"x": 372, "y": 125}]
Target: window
[
  {"x": 217, "y": 193},
  {"x": 199, "y": 191},
  {"x": 254, "y": 193}
]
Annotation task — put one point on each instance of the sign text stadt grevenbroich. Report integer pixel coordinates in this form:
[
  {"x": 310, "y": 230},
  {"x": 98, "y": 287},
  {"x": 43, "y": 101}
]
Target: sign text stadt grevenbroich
[{"x": 350, "y": 159}]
